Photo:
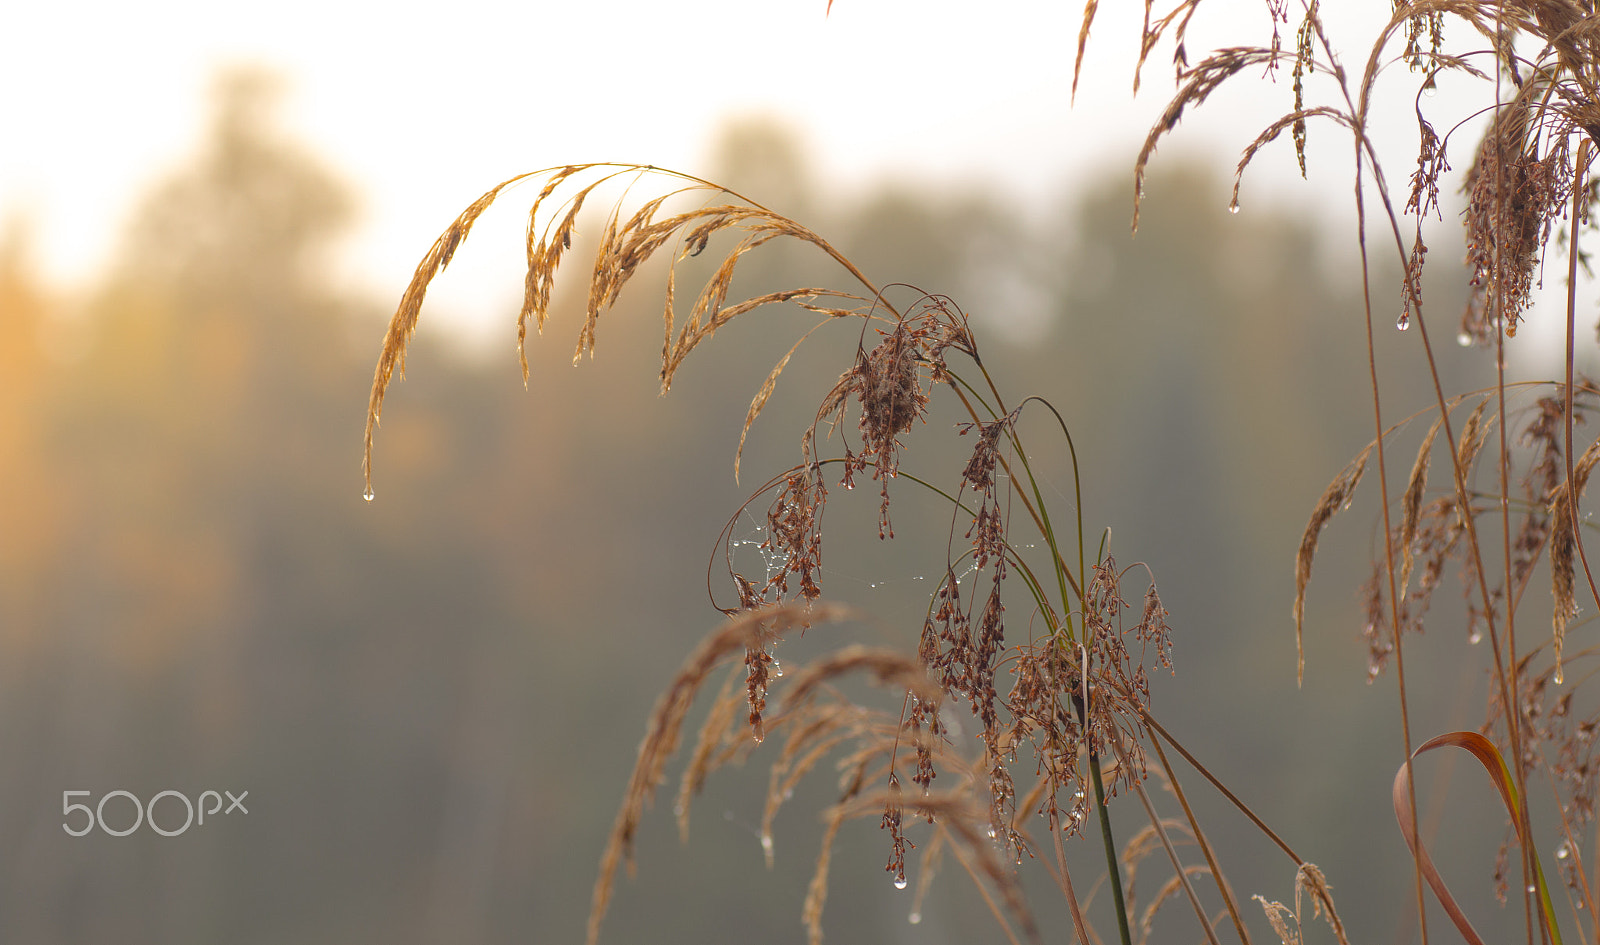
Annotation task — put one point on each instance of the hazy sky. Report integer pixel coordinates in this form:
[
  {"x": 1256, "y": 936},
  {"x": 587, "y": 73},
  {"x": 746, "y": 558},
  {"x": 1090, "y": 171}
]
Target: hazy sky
[{"x": 424, "y": 106}]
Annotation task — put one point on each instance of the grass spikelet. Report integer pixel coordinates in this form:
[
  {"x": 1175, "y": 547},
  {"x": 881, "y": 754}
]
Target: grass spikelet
[
  {"x": 1474, "y": 434},
  {"x": 1090, "y": 8},
  {"x": 625, "y": 245},
  {"x": 719, "y": 720},
  {"x": 544, "y": 257},
  {"x": 751, "y": 630},
  {"x": 1564, "y": 544},
  {"x": 968, "y": 824},
  {"x": 1334, "y": 499},
  {"x": 808, "y": 744},
  {"x": 817, "y": 891},
  {"x": 887, "y": 667},
  {"x": 1201, "y": 82},
  {"x": 1310, "y": 880},
  {"x": 1278, "y": 915},
  {"x": 1411, "y": 503},
  {"x": 1168, "y": 890},
  {"x": 1295, "y": 120},
  {"x": 404, "y": 322}
]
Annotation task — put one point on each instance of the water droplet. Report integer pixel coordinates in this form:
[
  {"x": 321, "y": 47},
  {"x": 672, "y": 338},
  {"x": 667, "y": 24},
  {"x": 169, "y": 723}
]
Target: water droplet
[
  {"x": 873, "y": 584},
  {"x": 1464, "y": 340},
  {"x": 914, "y": 918},
  {"x": 1404, "y": 321},
  {"x": 991, "y": 833},
  {"x": 1430, "y": 88},
  {"x": 1563, "y": 851},
  {"x": 368, "y": 494},
  {"x": 1078, "y": 795},
  {"x": 1532, "y": 888},
  {"x": 1234, "y": 206},
  {"x": 1476, "y": 638},
  {"x": 1559, "y": 677},
  {"x": 766, "y": 843},
  {"x": 900, "y": 882},
  {"x": 777, "y": 670}
]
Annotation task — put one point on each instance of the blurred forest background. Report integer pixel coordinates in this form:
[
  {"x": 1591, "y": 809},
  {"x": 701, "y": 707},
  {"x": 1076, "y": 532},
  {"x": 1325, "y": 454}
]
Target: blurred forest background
[{"x": 433, "y": 700}]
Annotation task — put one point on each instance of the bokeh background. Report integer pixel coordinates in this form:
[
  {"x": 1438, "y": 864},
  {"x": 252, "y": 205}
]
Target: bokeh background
[{"x": 434, "y": 699}]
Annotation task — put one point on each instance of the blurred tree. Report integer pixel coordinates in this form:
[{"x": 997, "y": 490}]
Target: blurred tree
[{"x": 31, "y": 506}]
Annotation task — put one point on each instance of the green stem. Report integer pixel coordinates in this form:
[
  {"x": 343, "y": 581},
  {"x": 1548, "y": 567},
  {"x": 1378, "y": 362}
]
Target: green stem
[{"x": 1112, "y": 871}]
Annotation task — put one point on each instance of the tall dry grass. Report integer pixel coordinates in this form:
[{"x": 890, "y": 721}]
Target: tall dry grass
[{"x": 1062, "y": 702}]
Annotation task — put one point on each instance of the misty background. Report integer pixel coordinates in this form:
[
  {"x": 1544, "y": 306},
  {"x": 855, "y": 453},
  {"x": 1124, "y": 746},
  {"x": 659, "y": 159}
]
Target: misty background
[{"x": 434, "y": 699}]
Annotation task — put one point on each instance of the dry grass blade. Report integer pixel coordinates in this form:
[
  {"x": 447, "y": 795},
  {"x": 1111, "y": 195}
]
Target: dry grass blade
[
  {"x": 1494, "y": 764},
  {"x": 1336, "y": 497},
  {"x": 753, "y": 629}
]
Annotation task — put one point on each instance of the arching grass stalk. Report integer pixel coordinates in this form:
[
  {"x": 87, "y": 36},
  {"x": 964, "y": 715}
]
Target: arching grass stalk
[{"x": 1037, "y": 508}]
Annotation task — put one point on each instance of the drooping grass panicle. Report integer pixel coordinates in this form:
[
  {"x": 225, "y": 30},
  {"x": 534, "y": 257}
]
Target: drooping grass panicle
[
  {"x": 625, "y": 245},
  {"x": 1563, "y": 545},
  {"x": 755, "y": 630},
  {"x": 1334, "y": 499},
  {"x": 403, "y": 324},
  {"x": 1411, "y": 503},
  {"x": 1199, "y": 83}
]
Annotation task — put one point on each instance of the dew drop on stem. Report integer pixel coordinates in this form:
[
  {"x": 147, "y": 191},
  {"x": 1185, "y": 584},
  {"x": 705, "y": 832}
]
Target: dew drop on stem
[
  {"x": 1464, "y": 340},
  {"x": 914, "y": 918},
  {"x": 900, "y": 882},
  {"x": 1403, "y": 322},
  {"x": 1563, "y": 851},
  {"x": 368, "y": 495}
]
